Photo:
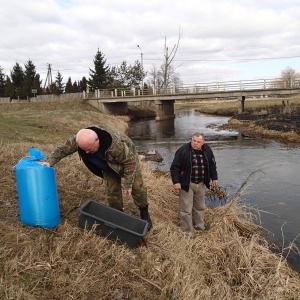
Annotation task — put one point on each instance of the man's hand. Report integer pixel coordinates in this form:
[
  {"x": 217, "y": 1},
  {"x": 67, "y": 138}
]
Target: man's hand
[
  {"x": 44, "y": 163},
  {"x": 177, "y": 186},
  {"x": 127, "y": 192},
  {"x": 215, "y": 183}
]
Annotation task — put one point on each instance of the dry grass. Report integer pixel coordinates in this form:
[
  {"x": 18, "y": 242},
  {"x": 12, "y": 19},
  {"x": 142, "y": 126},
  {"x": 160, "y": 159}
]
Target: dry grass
[
  {"x": 251, "y": 129},
  {"x": 230, "y": 107},
  {"x": 264, "y": 128},
  {"x": 229, "y": 261}
]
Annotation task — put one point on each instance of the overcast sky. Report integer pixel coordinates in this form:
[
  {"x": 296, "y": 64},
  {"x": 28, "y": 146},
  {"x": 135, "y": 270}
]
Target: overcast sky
[{"x": 221, "y": 40}]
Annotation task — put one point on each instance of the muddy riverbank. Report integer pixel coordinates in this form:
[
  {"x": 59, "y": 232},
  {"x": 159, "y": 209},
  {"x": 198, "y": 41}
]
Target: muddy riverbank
[{"x": 274, "y": 123}]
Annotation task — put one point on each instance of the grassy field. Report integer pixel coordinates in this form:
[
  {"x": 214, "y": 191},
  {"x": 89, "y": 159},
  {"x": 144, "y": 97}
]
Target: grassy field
[{"x": 229, "y": 261}]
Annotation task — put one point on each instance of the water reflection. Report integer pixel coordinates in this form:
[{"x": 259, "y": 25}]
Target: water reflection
[
  {"x": 165, "y": 128},
  {"x": 141, "y": 130},
  {"x": 185, "y": 124}
]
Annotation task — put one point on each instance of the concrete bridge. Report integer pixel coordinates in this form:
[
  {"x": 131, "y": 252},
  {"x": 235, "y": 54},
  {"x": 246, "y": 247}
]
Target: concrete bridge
[{"x": 116, "y": 101}]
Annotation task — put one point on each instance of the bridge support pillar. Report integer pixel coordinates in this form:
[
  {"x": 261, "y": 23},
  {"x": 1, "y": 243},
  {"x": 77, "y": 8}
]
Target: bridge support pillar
[
  {"x": 164, "y": 110},
  {"x": 241, "y": 108},
  {"x": 117, "y": 108},
  {"x": 112, "y": 108}
]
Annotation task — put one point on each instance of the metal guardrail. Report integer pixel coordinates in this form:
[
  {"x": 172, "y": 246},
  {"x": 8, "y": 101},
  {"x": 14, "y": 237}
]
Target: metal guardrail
[{"x": 198, "y": 88}]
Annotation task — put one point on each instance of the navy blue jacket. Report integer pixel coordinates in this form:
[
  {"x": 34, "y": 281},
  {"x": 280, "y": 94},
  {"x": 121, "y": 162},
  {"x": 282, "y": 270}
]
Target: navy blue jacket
[{"x": 182, "y": 165}]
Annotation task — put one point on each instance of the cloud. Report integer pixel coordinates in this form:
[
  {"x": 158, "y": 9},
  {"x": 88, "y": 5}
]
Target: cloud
[{"x": 220, "y": 39}]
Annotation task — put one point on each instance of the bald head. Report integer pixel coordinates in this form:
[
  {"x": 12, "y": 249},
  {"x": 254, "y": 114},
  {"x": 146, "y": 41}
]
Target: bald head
[{"x": 87, "y": 140}]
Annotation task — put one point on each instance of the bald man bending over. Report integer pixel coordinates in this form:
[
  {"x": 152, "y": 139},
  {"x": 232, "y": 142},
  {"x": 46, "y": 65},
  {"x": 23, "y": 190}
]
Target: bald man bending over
[{"x": 111, "y": 155}]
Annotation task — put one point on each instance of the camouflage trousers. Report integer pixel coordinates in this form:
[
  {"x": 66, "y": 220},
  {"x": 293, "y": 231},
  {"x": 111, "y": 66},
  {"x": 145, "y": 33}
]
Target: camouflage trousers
[{"x": 113, "y": 186}]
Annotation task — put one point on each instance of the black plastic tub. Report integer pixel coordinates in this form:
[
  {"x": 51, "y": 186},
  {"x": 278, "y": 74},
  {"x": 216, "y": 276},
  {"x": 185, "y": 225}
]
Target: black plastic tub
[{"x": 112, "y": 223}]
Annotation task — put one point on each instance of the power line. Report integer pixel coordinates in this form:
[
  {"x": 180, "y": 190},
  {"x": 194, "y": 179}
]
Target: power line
[
  {"x": 8, "y": 56},
  {"x": 235, "y": 59},
  {"x": 186, "y": 60}
]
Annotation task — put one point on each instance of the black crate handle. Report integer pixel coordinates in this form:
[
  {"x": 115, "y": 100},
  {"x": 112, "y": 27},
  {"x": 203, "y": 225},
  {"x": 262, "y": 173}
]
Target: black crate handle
[{"x": 110, "y": 225}]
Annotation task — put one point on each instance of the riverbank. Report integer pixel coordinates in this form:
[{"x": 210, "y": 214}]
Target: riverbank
[
  {"x": 276, "y": 118},
  {"x": 231, "y": 260}
]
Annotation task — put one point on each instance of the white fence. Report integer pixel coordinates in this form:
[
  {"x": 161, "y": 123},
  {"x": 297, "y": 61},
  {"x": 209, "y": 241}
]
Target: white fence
[
  {"x": 197, "y": 88},
  {"x": 5, "y": 100},
  {"x": 48, "y": 97}
]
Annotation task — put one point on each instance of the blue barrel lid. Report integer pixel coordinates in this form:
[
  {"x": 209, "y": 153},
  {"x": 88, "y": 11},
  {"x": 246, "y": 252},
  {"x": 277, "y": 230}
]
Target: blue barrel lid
[
  {"x": 36, "y": 154},
  {"x": 32, "y": 161}
]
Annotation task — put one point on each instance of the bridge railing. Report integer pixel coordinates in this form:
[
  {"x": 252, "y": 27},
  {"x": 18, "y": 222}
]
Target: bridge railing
[
  {"x": 259, "y": 84},
  {"x": 243, "y": 85}
]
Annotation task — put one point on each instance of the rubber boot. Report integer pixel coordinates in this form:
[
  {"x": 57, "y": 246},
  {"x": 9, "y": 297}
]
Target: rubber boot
[{"x": 145, "y": 216}]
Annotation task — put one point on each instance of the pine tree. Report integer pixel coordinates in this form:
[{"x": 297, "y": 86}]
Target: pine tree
[
  {"x": 99, "y": 78},
  {"x": 30, "y": 70},
  {"x": 2, "y": 82},
  {"x": 58, "y": 85},
  {"x": 9, "y": 88},
  {"x": 17, "y": 78},
  {"x": 26, "y": 87},
  {"x": 82, "y": 84},
  {"x": 29, "y": 76},
  {"x": 37, "y": 84},
  {"x": 69, "y": 86},
  {"x": 75, "y": 87}
]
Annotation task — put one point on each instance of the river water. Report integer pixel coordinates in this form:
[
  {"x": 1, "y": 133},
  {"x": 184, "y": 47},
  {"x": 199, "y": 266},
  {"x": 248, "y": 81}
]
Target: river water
[{"x": 273, "y": 187}]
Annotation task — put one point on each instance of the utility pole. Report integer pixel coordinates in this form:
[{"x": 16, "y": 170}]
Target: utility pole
[
  {"x": 142, "y": 68},
  {"x": 49, "y": 77}
]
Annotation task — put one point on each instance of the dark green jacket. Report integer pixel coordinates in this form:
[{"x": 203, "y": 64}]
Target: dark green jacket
[{"x": 120, "y": 153}]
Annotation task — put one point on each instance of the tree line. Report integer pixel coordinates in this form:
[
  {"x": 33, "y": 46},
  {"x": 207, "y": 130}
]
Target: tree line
[{"x": 22, "y": 81}]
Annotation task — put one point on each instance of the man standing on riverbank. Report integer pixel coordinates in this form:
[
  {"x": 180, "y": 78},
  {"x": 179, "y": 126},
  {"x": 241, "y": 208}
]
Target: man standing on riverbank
[
  {"x": 111, "y": 155},
  {"x": 192, "y": 169}
]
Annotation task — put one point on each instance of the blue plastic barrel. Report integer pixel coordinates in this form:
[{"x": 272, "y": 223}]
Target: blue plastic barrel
[{"x": 37, "y": 191}]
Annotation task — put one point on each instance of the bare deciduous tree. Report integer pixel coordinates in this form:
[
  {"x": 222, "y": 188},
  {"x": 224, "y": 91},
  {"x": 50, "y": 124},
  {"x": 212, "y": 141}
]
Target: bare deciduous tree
[
  {"x": 289, "y": 77},
  {"x": 156, "y": 77},
  {"x": 165, "y": 76},
  {"x": 168, "y": 60}
]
